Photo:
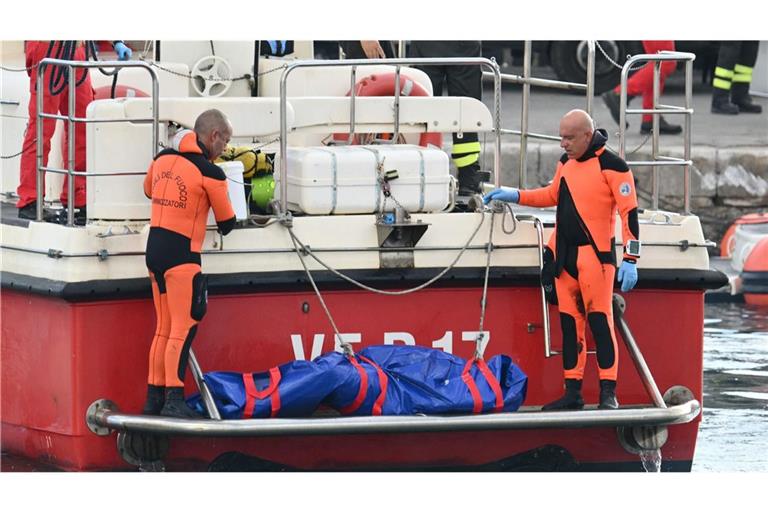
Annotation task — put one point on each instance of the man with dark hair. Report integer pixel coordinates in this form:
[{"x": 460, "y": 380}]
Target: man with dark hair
[{"x": 183, "y": 184}]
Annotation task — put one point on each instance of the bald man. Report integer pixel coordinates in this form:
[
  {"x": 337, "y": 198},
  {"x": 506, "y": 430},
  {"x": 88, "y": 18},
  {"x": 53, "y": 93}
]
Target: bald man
[
  {"x": 590, "y": 184},
  {"x": 183, "y": 184}
]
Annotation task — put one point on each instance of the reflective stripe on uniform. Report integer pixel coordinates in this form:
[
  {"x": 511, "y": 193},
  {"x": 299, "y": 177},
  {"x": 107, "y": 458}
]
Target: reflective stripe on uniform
[
  {"x": 723, "y": 73},
  {"x": 722, "y": 78},
  {"x": 466, "y": 147},
  {"x": 719, "y": 83},
  {"x": 466, "y": 160},
  {"x": 742, "y": 74}
]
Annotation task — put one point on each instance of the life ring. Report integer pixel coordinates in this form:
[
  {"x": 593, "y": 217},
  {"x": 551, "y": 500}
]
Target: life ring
[
  {"x": 727, "y": 243},
  {"x": 383, "y": 84},
  {"x": 121, "y": 91},
  {"x": 754, "y": 277}
]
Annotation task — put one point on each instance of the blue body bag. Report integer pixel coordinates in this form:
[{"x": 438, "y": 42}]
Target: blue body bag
[{"x": 379, "y": 380}]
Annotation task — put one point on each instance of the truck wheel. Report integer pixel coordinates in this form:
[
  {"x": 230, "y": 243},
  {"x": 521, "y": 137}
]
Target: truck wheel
[{"x": 569, "y": 61}]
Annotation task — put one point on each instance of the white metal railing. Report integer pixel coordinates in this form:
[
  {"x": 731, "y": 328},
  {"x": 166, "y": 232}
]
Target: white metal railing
[
  {"x": 658, "y": 109},
  {"x": 72, "y": 119}
]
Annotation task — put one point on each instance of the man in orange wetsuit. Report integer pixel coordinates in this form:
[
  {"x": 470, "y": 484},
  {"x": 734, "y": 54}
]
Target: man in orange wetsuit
[
  {"x": 183, "y": 184},
  {"x": 56, "y": 100},
  {"x": 590, "y": 184}
]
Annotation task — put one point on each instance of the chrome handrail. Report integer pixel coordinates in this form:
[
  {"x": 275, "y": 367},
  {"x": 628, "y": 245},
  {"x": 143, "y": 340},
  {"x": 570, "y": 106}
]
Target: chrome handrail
[
  {"x": 544, "y": 304},
  {"x": 72, "y": 119},
  {"x": 103, "y": 415}
]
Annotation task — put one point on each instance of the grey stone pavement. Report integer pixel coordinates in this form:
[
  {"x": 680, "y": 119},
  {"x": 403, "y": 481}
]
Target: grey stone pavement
[{"x": 730, "y": 153}]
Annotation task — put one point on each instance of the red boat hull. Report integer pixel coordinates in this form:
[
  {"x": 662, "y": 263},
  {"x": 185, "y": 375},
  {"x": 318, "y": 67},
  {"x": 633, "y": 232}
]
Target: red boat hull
[{"x": 58, "y": 357}]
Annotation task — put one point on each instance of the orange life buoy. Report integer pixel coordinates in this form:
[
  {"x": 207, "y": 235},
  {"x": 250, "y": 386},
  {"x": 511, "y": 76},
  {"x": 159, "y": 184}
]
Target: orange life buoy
[
  {"x": 384, "y": 85},
  {"x": 726, "y": 245},
  {"x": 753, "y": 276},
  {"x": 121, "y": 91}
]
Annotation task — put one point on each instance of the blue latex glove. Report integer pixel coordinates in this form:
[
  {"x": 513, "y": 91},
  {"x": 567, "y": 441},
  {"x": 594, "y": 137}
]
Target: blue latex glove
[
  {"x": 627, "y": 275},
  {"x": 508, "y": 194},
  {"x": 273, "y": 45},
  {"x": 123, "y": 52}
]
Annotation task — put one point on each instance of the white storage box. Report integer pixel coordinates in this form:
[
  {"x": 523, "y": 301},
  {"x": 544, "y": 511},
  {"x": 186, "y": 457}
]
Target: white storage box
[
  {"x": 236, "y": 189},
  {"x": 330, "y": 180}
]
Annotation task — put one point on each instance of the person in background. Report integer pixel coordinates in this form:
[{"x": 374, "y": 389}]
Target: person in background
[
  {"x": 183, "y": 184},
  {"x": 460, "y": 81},
  {"x": 591, "y": 183},
  {"x": 733, "y": 75},
  {"x": 56, "y": 101},
  {"x": 368, "y": 49},
  {"x": 641, "y": 84}
]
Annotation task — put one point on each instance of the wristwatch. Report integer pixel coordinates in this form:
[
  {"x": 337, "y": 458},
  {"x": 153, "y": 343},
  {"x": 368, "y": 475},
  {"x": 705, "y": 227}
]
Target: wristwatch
[{"x": 633, "y": 248}]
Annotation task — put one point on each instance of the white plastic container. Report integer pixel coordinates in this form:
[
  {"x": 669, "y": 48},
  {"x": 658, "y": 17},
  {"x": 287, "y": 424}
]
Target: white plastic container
[
  {"x": 234, "y": 173},
  {"x": 330, "y": 180}
]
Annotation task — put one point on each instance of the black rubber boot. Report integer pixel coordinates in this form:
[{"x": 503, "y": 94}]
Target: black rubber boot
[
  {"x": 612, "y": 100},
  {"x": 175, "y": 406},
  {"x": 571, "y": 400},
  {"x": 664, "y": 127},
  {"x": 741, "y": 98},
  {"x": 721, "y": 103},
  {"x": 29, "y": 212},
  {"x": 470, "y": 180},
  {"x": 155, "y": 400},
  {"x": 608, "y": 395}
]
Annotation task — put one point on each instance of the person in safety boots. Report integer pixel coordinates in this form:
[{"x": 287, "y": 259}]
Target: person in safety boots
[
  {"x": 641, "y": 83},
  {"x": 56, "y": 101},
  {"x": 733, "y": 75},
  {"x": 460, "y": 81},
  {"x": 590, "y": 184},
  {"x": 183, "y": 184}
]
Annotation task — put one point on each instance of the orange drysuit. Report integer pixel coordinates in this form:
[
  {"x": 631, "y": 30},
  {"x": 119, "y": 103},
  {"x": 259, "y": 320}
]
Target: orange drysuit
[
  {"x": 183, "y": 185},
  {"x": 587, "y": 192}
]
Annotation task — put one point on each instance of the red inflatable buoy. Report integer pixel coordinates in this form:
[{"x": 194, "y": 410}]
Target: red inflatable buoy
[
  {"x": 121, "y": 91},
  {"x": 384, "y": 85},
  {"x": 726, "y": 245},
  {"x": 754, "y": 277}
]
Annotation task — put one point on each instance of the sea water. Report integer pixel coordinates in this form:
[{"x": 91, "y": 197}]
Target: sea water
[{"x": 733, "y": 435}]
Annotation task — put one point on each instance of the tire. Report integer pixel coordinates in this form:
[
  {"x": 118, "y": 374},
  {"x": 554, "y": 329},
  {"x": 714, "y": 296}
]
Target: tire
[{"x": 569, "y": 61}]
